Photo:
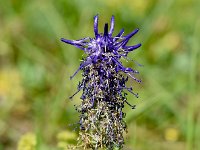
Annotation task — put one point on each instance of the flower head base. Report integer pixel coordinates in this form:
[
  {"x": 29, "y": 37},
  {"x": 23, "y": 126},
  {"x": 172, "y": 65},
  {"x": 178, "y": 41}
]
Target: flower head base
[{"x": 103, "y": 84}]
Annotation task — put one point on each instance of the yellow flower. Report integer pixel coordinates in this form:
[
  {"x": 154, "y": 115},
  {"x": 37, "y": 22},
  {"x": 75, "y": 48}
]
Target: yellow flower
[
  {"x": 10, "y": 84},
  {"x": 64, "y": 138},
  {"x": 171, "y": 134},
  {"x": 27, "y": 142}
]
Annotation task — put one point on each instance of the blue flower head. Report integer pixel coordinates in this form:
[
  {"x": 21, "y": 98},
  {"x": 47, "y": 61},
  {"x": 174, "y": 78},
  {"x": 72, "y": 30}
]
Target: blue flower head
[{"x": 104, "y": 85}]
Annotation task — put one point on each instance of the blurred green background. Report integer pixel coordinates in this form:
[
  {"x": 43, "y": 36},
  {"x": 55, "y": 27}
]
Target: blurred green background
[{"x": 35, "y": 111}]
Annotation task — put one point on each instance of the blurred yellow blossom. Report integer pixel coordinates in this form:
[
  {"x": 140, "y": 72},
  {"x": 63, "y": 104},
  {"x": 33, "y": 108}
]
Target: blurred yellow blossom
[
  {"x": 10, "y": 84},
  {"x": 64, "y": 137},
  {"x": 27, "y": 142},
  {"x": 171, "y": 134}
]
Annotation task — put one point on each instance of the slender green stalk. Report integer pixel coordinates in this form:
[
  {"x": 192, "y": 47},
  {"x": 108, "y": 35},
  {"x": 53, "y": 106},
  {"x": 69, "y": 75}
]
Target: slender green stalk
[{"x": 192, "y": 90}]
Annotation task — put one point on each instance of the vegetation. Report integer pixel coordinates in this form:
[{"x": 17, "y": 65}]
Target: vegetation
[{"x": 35, "y": 68}]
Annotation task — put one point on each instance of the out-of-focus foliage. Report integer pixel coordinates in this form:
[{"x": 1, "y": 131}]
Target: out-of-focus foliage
[{"x": 35, "y": 68}]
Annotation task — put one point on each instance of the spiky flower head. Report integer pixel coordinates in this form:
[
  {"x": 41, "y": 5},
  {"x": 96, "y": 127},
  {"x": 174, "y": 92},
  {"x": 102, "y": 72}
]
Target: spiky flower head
[{"x": 104, "y": 85}]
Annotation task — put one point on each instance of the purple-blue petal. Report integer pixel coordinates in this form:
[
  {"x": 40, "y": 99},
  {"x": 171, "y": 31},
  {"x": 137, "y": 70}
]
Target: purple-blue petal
[
  {"x": 74, "y": 43},
  {"x": 112, "y": 24},
  {"x": 132, "y": 33},
  {"x": 96, "y": 26},
  {"x": 131, "y": 48},
  {"x": 118, "y": 35}
]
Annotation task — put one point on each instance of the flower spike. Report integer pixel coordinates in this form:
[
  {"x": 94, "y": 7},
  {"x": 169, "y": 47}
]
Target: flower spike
[{"x": 104, "y": 87}]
